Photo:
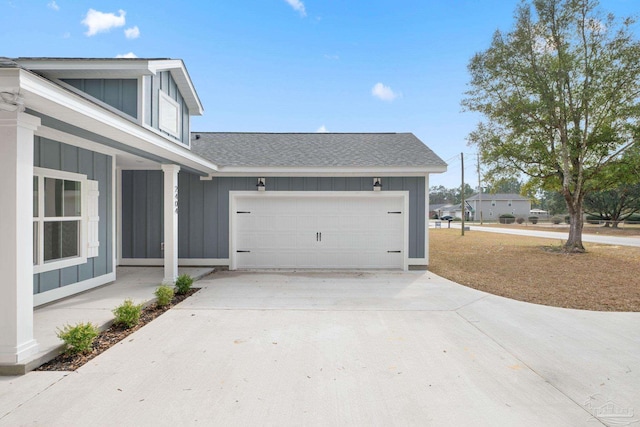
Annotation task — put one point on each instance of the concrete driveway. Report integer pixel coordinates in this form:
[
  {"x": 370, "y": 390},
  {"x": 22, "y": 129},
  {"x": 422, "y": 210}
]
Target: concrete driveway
[{"x": 371, "y": 349}]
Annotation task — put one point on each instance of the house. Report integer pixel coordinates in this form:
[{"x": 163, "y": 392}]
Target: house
[
  {"x": 494, "y": 205},
  {"x": 100, "y": 168}
]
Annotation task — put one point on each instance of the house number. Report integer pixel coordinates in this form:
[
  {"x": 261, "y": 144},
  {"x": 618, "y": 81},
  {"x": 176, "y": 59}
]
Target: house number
[{"x": 175, "y": 198}]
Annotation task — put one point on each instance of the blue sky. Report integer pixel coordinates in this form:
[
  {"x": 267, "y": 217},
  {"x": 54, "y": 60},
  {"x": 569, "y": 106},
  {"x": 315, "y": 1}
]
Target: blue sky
[{"x": 294, "y": 65}]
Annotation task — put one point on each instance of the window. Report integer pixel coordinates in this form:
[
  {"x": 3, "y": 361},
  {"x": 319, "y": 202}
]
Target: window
[
  {"x": 169, "y": 115},
  {"x": 60, "y": 221}
]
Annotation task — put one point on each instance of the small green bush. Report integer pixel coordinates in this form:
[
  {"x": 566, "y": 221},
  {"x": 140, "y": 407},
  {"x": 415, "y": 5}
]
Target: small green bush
[
  {"x": 127, "y": 314},
  {"x": 78, "y": 338},
  {"x": 183, "y": 284},
  {"x": 519, "y": 220},
  {"x": 507, "y": 219},
  {"x": 556, "y": 220},
  {"x": 533, "y": 219},
  {"x": 164, "y": 294}
]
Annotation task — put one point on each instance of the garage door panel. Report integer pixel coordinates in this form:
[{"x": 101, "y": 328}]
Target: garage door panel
[{"x": 320, "y": 232}]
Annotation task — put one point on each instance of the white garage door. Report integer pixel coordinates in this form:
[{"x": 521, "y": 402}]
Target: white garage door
[{"x": 338, "y": 230}]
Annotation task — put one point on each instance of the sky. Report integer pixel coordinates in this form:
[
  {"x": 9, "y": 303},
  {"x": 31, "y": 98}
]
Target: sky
[{"x": 295, "y": 65}]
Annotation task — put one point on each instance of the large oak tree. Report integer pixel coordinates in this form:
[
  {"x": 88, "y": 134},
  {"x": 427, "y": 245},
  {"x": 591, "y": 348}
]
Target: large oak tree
[{"x": 560, "y": 94}]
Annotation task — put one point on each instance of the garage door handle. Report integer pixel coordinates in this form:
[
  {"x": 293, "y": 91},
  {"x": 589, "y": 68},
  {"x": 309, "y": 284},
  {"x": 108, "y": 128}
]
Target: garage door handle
[
  {"x": 243, "y": 251},
  {"x": 243, "y": 212},
  {"x": 394, "y": 252},
  {"x": 395, "y": 212}
]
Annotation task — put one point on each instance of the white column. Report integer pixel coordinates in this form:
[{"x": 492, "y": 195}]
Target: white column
[
  {"x": 170, "y": 222},
  {"x": 16, "y": 228}
]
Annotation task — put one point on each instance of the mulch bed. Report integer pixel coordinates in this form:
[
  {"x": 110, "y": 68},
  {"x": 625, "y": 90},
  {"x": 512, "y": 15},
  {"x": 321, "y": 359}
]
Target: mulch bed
[{"x": 110, "y": 337}]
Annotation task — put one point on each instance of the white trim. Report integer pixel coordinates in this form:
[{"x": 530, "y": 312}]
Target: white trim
[
  {"x": 115, "y": 240},
  {"x": 234, "y": 171},
  {"x": 418, "y": 261},
  {"x": 42, "y": 266},
  {"x": 183, "y": 262},
  {"x": 65, "y": 291},
  {"x": 118, "y": 216},
  {"x": 234, "y": 195}
]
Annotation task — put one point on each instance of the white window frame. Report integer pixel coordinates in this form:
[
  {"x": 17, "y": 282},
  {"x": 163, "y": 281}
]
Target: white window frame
[
  {"x": 164, "y": 102},
  {"x": 40, "y": 265}
]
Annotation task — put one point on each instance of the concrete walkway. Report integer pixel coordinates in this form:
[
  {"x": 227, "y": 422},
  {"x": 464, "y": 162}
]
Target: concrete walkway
[
  {"x": 557, "y": 235},
  {"x": 136, "y": 283},
  {"x": 374, "y": 349}
]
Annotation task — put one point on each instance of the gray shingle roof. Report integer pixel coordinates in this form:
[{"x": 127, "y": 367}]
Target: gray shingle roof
[{"x": 314, "y": 150}]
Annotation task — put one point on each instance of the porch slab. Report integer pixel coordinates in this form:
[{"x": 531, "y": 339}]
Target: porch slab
[{"x": 95, "y": 305}]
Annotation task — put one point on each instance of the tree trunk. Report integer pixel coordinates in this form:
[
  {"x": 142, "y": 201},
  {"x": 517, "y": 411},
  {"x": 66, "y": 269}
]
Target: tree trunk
[
  {"x": 615, "y": 224},
  {"x": 574, "y": 241}
]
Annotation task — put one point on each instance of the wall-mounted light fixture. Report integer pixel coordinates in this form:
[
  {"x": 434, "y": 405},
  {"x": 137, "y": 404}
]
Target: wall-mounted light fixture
[
  {"x": 377, "y": 184},
  {"x": 260, "y": 184}
]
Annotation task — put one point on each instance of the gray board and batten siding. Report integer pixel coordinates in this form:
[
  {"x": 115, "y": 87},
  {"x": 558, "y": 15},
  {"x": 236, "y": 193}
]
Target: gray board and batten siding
[
  {"x": 121, "y": 94},
  {"x": 56, "y": 155},
  {"x": 163, "y": 81},
  {"x": 203, "y": 209}
]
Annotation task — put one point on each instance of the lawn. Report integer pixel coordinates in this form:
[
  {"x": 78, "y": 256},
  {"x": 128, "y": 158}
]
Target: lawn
[{"x": 606, "y": 278}]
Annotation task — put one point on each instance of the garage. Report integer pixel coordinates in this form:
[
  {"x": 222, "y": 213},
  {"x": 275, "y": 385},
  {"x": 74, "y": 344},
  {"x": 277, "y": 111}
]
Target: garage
[{"x": 313, "y": 230}]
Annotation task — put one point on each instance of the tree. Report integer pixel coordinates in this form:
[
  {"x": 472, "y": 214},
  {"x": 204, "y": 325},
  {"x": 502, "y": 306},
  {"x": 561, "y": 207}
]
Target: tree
[
  {"x": 505, "y": 185},
  {"x": 440, "y": 195},
  {"x": 560, "y": 95},
  {"x": 614, "y": 205}
]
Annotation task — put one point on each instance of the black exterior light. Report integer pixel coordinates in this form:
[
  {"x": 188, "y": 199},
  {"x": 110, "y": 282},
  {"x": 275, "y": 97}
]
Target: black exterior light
[
  {"x": 260, "y": 184},
  {"x": 377, "y": 184}
]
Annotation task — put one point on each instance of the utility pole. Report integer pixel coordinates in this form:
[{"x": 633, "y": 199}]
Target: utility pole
[
  {"x": 480, "y": 189},
  {"x": 462, "y": 205}
]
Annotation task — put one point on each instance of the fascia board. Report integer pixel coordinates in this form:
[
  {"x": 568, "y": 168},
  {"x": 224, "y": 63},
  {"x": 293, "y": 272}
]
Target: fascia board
[
  {"x": 65, "y": 103},
  {"x": 180, "y": 74},
  {"x": 88, "y": 68},
  {"x": 318, "y": 171}
]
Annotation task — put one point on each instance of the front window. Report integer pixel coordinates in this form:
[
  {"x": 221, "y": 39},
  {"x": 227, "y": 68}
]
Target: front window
[{"x": 57, "y": 219}]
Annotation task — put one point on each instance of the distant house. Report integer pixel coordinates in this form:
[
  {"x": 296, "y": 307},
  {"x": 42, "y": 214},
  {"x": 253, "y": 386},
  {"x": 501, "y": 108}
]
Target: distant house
[{"x": 494, "y": 205}]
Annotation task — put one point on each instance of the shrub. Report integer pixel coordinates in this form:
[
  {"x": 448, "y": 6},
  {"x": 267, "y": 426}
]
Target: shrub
[
  {"x": 507, "y": 219},
  {"x": 164, "y": 294},
  {"x": 533, "y": 219},
  {"x": 78, "y": 338},
  {"x": 556, "y": 220},
  {"x": 183, "y": 284},
  {"x": 519, "y": 220},
  {"x": 633, "y": 219},
  {"x": 127, "y": 314},
  {"x": 567, "y": 219}
]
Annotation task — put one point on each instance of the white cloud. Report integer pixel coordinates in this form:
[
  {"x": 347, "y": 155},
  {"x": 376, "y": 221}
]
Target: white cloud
[
  {"x": 53, "y": 5},
  {"x": 132, "y": 33},
  {"x": 127, "y": 55},
  {"x": 298, "y": 6},
  {"x": 384, "y": 92},
  {"x": 98, "y": 22},
  {"x": 322, "y": 129}
]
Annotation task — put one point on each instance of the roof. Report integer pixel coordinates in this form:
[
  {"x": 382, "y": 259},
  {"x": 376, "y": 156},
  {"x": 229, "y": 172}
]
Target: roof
[
  {"x": 498, "y": 196},
  {"x": 332, "y": 150},
  {"x": 97, "y": 68}
]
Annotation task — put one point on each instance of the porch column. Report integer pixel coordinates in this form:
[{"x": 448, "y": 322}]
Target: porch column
[
  {"x": 170, "y": 222},
  {"x": 16, "y": 228}
]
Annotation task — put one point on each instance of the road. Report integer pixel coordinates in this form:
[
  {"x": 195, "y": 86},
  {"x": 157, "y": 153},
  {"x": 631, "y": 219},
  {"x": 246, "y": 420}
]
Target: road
[{"x": 589, "y": 238}]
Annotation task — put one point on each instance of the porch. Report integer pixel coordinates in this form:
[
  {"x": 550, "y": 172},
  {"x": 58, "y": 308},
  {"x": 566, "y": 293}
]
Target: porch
[{"x": 136, "y": 283}]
